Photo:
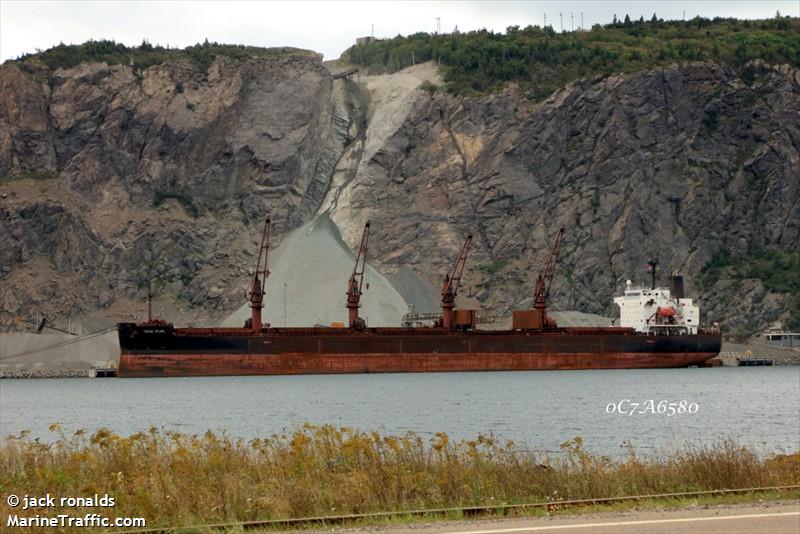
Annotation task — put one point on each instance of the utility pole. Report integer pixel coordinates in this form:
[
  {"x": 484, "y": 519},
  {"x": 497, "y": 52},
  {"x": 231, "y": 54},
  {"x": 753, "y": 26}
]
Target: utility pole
[
  {"x": 581, "y": 20},
  {"x": 372, "y": 33},
  {"x": 572, "y": 21},
  {"x": 561, "y": 16},
  {"x": 545, "y": 20},
  {"x": 438, "y": 25}
]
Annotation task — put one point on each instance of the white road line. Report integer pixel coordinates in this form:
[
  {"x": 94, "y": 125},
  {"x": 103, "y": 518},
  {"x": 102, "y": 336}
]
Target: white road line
[{"x": 624, "y": 523}]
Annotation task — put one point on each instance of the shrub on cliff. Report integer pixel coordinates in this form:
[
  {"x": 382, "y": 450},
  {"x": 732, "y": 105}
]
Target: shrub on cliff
[
  {"x": 146, "y": 55},
  {"x": 543, "y": 60}
]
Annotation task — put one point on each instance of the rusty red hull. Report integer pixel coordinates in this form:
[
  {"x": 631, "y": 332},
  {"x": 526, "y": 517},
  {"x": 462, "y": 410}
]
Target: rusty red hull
[
  {"x": 163, "y": 351},
  {"x": 135, "y": 365}
]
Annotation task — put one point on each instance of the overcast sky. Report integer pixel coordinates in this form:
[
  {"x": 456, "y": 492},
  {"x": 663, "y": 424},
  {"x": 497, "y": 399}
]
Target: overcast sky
[{"x": 327, "y": 27}]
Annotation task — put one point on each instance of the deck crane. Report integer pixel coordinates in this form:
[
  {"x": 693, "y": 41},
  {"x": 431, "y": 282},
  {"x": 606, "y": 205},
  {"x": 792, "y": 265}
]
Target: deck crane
[
  {"x": 355, "y": 283},
  {"x": 260, "y": 279},
  {"x": 542, "y": 291},
  {"x": 451, "y": 283}
]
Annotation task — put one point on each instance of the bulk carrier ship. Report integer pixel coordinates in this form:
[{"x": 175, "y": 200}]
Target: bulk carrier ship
[{"x": 656, "y": 332}]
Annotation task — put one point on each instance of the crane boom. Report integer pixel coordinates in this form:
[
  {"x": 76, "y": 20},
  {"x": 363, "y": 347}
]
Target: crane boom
[
  {"x": 542, "y": 291},
  {"x": 356, "y": 282},
  {"x": 451, "y": 282},
  {"x": 260, "y": 275}
]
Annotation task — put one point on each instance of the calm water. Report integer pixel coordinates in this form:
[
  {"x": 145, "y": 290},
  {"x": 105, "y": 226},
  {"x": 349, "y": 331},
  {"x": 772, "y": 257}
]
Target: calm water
[{"x": 759, "y": 407}]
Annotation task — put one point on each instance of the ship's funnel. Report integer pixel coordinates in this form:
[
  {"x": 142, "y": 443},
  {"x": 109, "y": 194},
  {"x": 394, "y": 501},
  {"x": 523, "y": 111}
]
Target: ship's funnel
[{"x": 676, "y": 286}]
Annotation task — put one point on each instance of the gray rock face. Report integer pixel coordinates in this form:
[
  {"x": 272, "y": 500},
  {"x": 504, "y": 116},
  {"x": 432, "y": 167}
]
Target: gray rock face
[
  {"x": 172, "y": 132},
  {"x": 163, "y": 173},
  {"x": 676, "y": 162},
  {"x": 167, "y": 173}
]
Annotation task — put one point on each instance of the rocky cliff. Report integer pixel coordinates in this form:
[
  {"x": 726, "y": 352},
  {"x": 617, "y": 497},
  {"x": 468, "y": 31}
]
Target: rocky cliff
[
  {"x": 114, "y": 176},
  {"x": 677, "y": 163},
  {"x": 158, "y": 174}
]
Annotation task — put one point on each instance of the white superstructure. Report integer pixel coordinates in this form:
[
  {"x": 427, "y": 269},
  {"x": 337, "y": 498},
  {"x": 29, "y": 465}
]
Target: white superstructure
[{"x": 655, "y": 311}]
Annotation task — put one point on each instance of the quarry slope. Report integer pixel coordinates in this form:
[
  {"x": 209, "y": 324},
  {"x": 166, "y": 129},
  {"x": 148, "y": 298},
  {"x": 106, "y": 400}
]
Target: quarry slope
[{"x": 113, "y": 177}]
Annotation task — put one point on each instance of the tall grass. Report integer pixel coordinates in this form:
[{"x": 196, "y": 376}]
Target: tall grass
[{"x": 173, "y": 479}]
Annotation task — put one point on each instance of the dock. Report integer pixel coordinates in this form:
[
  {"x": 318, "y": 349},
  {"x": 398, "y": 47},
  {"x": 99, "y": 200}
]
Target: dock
[
  {"x": 733, "y": 353},
  {"x": 31, "y": 355},
  {"x": 105, "y": 369}
]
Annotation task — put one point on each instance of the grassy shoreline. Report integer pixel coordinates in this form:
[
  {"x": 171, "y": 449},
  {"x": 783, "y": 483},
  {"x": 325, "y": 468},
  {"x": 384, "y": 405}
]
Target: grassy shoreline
[{"x": 176, "y": 479}]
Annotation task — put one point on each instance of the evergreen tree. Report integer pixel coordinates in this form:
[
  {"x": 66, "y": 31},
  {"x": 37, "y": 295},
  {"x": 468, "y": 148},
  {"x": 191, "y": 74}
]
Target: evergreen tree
[{"x": 538, "y": 59}]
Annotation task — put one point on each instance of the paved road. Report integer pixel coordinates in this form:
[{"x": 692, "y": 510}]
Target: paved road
[{"x": 764, "y": 519}]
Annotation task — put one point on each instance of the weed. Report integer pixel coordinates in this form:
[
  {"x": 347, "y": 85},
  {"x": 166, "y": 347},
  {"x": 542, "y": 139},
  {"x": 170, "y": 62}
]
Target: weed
[{"x": 177, "y": 479}]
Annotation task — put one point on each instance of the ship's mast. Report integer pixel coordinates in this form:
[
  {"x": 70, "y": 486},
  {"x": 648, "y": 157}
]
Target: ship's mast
[
  {"x": 149, "y": 304},
  {"x": 355, "y": 283},
  {"x": 260, "y": 278},
  {"x": 542, "y": 291},
  {"x": 451, "y": 283}
]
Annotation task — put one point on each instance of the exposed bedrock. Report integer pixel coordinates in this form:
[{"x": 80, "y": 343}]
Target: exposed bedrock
[{"x": 113, "y": 177}]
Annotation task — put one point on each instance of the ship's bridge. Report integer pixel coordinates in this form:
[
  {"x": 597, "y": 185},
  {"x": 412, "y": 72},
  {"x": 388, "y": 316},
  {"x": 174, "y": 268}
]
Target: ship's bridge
[{"x": 656, "y": 311}]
